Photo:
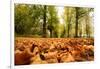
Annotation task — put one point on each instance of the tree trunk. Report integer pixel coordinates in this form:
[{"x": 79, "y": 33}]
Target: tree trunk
[
  {"x": 44, "y": 22},
  {"x": 51, "y": 33},
  {"x": 87, "y": 25},
  {"x": 68, "y": 21},
  {"x": 76, "y": 25}
]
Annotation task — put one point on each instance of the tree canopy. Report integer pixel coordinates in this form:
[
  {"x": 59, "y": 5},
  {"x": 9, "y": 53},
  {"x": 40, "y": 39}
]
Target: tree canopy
[{"x": 53, "y": 21}]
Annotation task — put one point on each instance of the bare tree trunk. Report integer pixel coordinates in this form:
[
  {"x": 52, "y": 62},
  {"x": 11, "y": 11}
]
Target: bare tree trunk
[
  {"x": 69, "y": 26},
  {"x": 80, "y": 29},
  {"x": 68, "y": 22},
  {"x": 80, "y": 33},
  {"x": 76, "y": 25},
  {"x": 86, "y": 28},
  {"x": 51, "y": 33},
  {"x": 44, "y": 24},
  {"x": 87, "y": 25}
]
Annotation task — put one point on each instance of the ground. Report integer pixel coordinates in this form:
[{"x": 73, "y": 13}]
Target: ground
[{"x": 53, "y": 50}]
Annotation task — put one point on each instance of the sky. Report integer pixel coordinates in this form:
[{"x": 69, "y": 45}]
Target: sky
[{"x": 60, "y": 10}]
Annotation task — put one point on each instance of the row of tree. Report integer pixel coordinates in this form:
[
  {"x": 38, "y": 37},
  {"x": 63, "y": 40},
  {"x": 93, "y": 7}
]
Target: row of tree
[
  {"x": 80, "y": 20},
  {"x": 43, "y": 21}
]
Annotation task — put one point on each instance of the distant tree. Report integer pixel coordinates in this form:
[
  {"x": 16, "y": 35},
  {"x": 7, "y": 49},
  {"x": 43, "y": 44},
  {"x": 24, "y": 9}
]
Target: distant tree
[
  {"x": 23, "y": 21},
  {"x": 69, "y": 14},
  {"x": 44, "y": 21},
  {"x": 52, "y": 20},
  {"x": 76, "y": 23}
]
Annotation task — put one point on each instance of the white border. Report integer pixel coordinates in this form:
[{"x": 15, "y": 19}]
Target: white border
[
  {"x": 73, "y": 3},
  {"x": 4, "y": 34},
  {"x": 12, "y": 35},
  {"x": 77, "y": 3}
]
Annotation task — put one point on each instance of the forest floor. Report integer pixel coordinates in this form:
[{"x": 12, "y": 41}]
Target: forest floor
[{"x": 53, "y": 50}]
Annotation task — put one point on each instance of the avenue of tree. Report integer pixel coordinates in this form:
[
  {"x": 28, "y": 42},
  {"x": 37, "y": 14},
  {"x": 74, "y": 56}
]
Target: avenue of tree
[{"x": 43, "y": 21}]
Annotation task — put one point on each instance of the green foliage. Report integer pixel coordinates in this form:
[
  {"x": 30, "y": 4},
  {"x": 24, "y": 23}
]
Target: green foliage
[
  {"x": 39, "y": 20},
  {"x": 52, "y": 21},
  {"x": 22, "y": 19}
]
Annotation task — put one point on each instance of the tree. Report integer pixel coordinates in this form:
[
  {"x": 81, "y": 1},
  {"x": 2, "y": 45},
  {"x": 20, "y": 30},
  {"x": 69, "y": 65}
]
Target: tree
[
  {"x": 44, "y": 20},
  {"x": 23, "y": 20},
  {"x": 69, "y": 17},
  {"x": 84, "y": 21},
  {"x": 76, "y": 23},
  {"x": 36, "y": 12},
  {"x": 52, "y": 20}
]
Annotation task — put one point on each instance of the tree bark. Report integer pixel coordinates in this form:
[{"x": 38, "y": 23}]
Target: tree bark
[
  {"x": 76, "y": 25},
  {"x": 51, "y": 33},
  {"x": 44, "y": 22}
]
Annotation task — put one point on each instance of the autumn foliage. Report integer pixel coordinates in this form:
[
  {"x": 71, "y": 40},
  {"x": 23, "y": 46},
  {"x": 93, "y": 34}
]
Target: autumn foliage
[{"x": 53, "y": 50}]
